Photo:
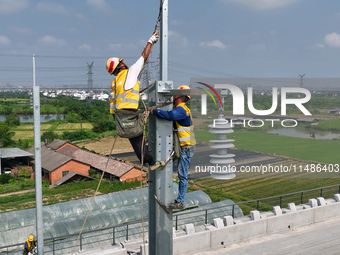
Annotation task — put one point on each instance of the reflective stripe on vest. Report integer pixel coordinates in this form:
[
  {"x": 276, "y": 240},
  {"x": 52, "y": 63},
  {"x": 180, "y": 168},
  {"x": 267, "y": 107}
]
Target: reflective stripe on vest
[
  {"x": 125, "y": 99},
  {"x": 184, "y": 139},
  {"x": 191, "y": 128},
  {"x": 186, "y": 135}
]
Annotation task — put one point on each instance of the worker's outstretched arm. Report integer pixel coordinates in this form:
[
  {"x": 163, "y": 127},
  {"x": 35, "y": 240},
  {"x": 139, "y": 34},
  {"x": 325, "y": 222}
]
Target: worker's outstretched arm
[{"x": 146, "y": 52}]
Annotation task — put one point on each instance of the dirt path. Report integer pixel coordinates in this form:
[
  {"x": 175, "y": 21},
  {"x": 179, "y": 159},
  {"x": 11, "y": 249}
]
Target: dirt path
[{"x": 17, "y": 193}]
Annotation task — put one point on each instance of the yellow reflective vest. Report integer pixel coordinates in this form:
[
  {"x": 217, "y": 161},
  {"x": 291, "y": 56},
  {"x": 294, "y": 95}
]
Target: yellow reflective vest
[
  {"x": 125, "y": 99},
  {"x": 186, "y": 135},
  {"x": 29, "y": 245}
]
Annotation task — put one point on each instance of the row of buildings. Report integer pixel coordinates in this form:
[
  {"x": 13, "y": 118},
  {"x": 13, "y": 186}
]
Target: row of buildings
[
  {"x": 63, "y": 162},
  {"x": 79, "y": 94}
]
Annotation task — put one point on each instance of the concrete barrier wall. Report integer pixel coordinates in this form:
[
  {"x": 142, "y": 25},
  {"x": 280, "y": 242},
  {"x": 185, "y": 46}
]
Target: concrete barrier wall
[
  {"x": 227, "y": 230},
  {"x": 258, "y": 224}
]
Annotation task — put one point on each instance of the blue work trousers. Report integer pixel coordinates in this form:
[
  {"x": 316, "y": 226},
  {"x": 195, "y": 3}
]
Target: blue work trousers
[{"x": 183, "y": 167}]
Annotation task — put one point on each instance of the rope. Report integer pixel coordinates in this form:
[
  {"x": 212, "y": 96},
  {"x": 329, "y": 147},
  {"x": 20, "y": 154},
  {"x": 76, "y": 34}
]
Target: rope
[
  {"x": 146, "y": 116},
  {"x": 101, "y": 178},
  {"x": 147, "y": 87}
]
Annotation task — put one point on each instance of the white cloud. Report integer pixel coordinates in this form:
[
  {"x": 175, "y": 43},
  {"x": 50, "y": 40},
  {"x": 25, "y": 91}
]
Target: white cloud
[
  {"x": 20, "y": 30},
  {"x": 53, "y": 7},
  {"x": 98, "y": 4},
  {"x": 320, "y": 45},
  {"x": 273, "y": 32},
  {"x": 257, "y": 47},
  {"x": 213, "y": 44},
  {"x": 12, "y": 6},
  {"x": 81, "y": 17},
  {"x": 60, "y": 10},
  {"x": 263, "y": 4},
  {"x": 51, "y": 40},
  {"x": 332, "y": 40},
  {"x": 177, "y": 39},
  {"x": 4, "y": 40},
  {"x": 115, "y": 46},
  {"x": 85, "y": 47}
]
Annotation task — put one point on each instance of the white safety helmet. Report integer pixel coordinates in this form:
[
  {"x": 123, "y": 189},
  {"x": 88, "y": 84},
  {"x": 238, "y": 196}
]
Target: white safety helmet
[{"x": 112, "y": 63}]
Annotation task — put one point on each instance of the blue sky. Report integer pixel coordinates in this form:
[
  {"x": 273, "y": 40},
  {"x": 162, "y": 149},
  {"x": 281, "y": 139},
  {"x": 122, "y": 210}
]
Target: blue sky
[{"x": 216, "y": 38}]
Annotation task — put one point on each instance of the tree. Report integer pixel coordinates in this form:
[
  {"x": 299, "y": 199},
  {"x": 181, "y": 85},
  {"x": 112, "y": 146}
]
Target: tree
[
  {"x": 49, "y": 136},
  {"x": 103, "y": 125},
  {"x": 6, "y": 135},
  {"x": 76, "y": 135},
  {"x": 12, "y": 120},
  {"x": 72, "y": 117}
]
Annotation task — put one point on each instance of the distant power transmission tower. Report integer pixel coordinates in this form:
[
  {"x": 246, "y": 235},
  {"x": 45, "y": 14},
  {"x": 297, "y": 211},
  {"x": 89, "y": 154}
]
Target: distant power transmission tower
[
  {"x": 89, "y": 76},
  {"x": 301, "y": 79},
  {"x": 146, "y": 74}
]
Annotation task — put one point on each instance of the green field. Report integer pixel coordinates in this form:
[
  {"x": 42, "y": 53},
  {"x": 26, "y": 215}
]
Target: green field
[
  {"x": 299, "y": 151},
  {"x": 329, "y": 125},
  {"x": 324, "y": 151},
  {"x": 25, "y": 130},
  {"x": 238, "y": 189}
]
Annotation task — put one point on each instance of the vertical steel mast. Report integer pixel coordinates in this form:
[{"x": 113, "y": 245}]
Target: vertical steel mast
[
  {"x": 160, "y": 144},
  {"x": 37, "y": 163}
]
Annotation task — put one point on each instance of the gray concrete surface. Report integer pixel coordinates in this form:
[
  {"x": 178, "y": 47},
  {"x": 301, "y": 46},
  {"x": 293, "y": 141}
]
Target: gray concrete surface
[{"x": 315, "y": 239}]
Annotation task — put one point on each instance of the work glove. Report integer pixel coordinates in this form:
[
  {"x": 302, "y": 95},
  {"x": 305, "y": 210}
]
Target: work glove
[
  {"x": 153, "y": 39},
  {"x": 155, "y": 35}
]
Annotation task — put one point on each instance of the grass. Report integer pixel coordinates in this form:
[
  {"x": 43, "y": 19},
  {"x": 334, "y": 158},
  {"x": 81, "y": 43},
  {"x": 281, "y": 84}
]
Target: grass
[
  {"x": 329, "y": 125},
  {"x": 325, "y": 151},
  {"x": 238, "y": 189},
  {"x": 245, "y": 189},
  {"x": 242, "y": 189},
  {"x": 75, "y": 126},
  {"x": 25, "y": 130}
]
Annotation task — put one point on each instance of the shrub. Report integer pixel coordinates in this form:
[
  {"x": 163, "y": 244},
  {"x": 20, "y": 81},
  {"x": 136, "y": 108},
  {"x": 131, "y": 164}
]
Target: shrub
[
  {"x": 5, "y": 178},
  {"x": 49, "y": 136},
  {"x": 103, "y": 125},
  {"x": 92, "y": 172},
  {"x": 76, "y": 135}
]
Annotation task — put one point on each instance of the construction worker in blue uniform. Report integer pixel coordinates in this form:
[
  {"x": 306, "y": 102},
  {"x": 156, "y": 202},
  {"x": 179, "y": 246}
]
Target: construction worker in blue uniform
[
  {"x": 185, "y": 129},
  {"x": 126, "y": 89}
]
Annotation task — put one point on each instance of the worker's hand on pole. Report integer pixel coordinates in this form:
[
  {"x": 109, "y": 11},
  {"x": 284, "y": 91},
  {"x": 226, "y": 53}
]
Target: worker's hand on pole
[
  {"x": 155, "y": 35},
  {"x": 153, "y": 39}
]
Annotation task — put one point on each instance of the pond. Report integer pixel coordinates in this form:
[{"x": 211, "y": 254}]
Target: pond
[
  {"x": 29, "y": 118},
  {"x": 305, "y": 133}
]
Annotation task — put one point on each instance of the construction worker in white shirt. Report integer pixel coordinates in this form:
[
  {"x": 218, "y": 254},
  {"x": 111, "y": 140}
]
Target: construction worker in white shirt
[{"x": 126, "y": 89}]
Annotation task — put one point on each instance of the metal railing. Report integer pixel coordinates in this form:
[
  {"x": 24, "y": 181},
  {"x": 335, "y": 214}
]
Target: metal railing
[{"x": 123, "y": 232}]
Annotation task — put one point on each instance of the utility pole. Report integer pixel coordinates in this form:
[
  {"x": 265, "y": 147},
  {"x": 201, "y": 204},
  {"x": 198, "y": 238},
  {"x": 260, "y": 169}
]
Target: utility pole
[
  {"x": 37, "y": 163},
  {"x": 89, "y": 76},
  {"x": 160, "y": 144},
  {"x": 301, "y": 79}
]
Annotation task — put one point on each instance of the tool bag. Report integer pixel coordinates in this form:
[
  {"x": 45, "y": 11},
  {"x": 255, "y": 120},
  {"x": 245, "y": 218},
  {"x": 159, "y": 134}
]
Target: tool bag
[
  {"x": 175, "y": 142},
  {"x": 129, "y": 122},
  {"x": 176, "y": 146}
]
